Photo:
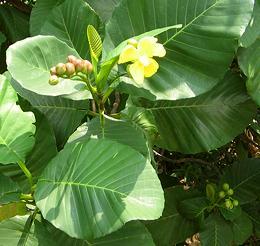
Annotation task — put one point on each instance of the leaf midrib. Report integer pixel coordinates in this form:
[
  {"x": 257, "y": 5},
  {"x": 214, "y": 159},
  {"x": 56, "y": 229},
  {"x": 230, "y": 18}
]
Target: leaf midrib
[{"x": 87, "y": 186}]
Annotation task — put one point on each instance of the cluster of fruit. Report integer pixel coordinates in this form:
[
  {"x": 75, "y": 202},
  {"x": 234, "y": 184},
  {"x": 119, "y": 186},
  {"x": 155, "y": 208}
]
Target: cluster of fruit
[
  {"x": 227, "y": 193},
  {"x": 69, "y": 69}
]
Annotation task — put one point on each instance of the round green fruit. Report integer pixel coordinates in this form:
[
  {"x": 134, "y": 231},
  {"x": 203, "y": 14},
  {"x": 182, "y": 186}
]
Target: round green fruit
[
  {"x": 225, "y": 186},
  {"x": 230, "y": 192},
  {"x": 228, "y": 204},
  {"x": 235, "y": 203},
  {"x": 221, "y": 194}
]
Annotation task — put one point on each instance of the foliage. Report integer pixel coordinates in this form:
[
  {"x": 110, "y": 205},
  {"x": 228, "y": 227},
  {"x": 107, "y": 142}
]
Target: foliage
[{"x": 154, "y": 141}]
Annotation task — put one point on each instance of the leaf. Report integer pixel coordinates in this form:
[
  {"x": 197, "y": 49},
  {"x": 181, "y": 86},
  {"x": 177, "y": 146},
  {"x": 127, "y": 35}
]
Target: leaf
[
  {"x": 243, "y": 177},
  {"x": 121, "y": 131},
  {"x": 252, "y": 31},
  {"x": 21, "y": 230},
  {"x": 68, "y": 22},
  {"x": 231, "y": 214},
  {"x": 104, "y": 8},
  {"x": 36, "y": 56},
  {"x": 253, "y": 212},
  {"x": 205, "y": 122},
  {"x": 14, "y": 23},
  {"x": 16, "y": 126},
  {"x": 198, "y": 55},
  {"x": 42, "y": 8},
  {"x": 194, "y": 208},
  {"x": 10, "y": 210},
  {"x": 64, "y": 115},
  {"x": 43, "y": 151},
  {"x": 216, "y": 232},
  {"x": 172, "y": 227},
  {"x": 104, "y": 184},
  {"x": 95, "y": 42},
  {"x": 132, "y": 233},
  {"x": 242, "y": 228},
  {"x": 250, "y": 64},
  {"x": 9, "y": 190}
]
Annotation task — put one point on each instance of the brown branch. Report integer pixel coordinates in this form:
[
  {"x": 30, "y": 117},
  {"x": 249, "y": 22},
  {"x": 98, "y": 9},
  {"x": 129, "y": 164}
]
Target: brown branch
[
  {"x": 181, "y": 160},
  {"x": 116, "y": 103},
  {"x": 20, "y": 6}
]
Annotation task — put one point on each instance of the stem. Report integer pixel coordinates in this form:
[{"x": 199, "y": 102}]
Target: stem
[
  {"x": 101, "y": 108},
  {"x": 26, "y": 172},
  {"x": 26, "y": 197}
]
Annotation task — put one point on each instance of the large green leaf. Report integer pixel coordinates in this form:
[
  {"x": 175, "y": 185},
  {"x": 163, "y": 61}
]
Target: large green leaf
[
  {"x": 205, "y": 122},
  {"x": 43, "y": 151},
  {"x": 244, "y": 178},
  {"x": 16, "y": 126},
  {"x": 68, "y": 22},
  {"x": 40, "y": 12},
  {"x": 242, "y": 228},
  {"x": 92, "y": 188},
  {"x": 253, "y": 212},
  {"x": 63, "y": 114},
  {"x": 14, "y": 23},
  {"x": 9, "y": 190},
  {"x": 29, "y": 62},
  {"x": 21, "y": 230},
  {"x": 121, "y": 131},
  {"x": 252, "y": 31},
  {"x": 2, "y": 39},
  {"x": 133, "y": 233},
  {"x": 250, "y": 64},
  {"x": 216, "y": 232},
  {"x": 104, "y": 8},
  {"x": 172, "y": 227},
  {"x": 199, "y": 54}
]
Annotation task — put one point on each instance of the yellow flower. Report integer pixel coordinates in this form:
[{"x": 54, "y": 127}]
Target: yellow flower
[{"x": 141, "y": 54}]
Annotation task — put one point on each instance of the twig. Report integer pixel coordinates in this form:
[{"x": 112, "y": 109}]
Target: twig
[
  {"x": 116, "y": 103},
  {"x": 181, "y": 160}
]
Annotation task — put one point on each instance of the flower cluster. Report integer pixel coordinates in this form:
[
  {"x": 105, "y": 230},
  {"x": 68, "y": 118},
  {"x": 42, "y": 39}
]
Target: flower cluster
[
  {"x": 228, "y": 193},
  {"x": 69, "y": 69},
  {"x": 141, "y": 54}
]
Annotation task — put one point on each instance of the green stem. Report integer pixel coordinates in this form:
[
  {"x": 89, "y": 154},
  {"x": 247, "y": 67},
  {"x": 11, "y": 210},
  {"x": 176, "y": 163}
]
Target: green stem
[
  {"x": 26, "y": 172},
  {"x": 101, "y": 108},
  {"x": 26, "y": 197}
]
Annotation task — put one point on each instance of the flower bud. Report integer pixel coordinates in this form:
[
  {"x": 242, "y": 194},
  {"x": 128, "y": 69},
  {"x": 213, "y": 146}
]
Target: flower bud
[
  {"x": 53, "y": 71},
  {"x": 72, "y": 59},
  {"x": 70, "y": 68},
  {"x": 78, "y": 65},
  {"x": 225, "y": 186},
  {"x": 54, "y": 80},
  {"x": 60, "y": 69},
  {"x": 87, "y": 67},
  {"x": 230, "y": 192}
]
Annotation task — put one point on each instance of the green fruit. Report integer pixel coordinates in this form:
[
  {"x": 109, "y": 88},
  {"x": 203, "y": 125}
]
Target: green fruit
[
  {"x": 235, "y": 203},
  {"x": 230, "y": 192},
  {"x": 60, "y": 69},
  {"x": 225, "y": 186},
  {"x": 221, "y": 194},
  {"x": 70, "y": 68},
  {"x": 54, "y": 80},
  {"x": 228, "y": 204}
]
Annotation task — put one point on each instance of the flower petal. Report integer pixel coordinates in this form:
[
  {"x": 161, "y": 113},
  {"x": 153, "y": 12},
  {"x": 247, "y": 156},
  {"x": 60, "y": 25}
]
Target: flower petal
[
  {"x": 137, "y": 72},
  {"x": 151, "y": 69},
  {"x": 159, "y": 50},
  {"x": 146, "y": 46},
  {"x": 128, "y": 54}
]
